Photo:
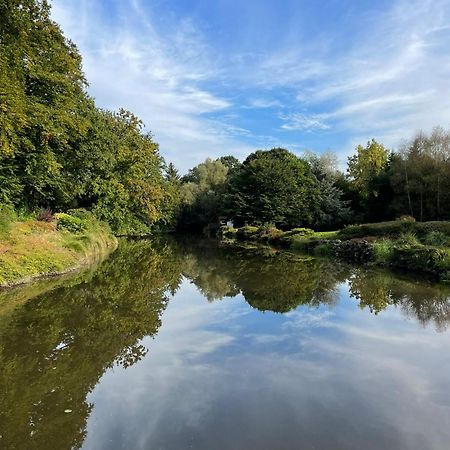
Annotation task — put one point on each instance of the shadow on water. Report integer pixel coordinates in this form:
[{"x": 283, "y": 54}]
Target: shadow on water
[{"x": 60, "y": 337}]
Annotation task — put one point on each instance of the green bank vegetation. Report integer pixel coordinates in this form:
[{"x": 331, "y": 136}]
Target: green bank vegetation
[
  {"x": 31, "y": 247},
  {"x": 404, "y": 243}
]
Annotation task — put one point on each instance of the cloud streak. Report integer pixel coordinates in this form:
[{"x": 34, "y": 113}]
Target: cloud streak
[{"x": 382, "y": 72}]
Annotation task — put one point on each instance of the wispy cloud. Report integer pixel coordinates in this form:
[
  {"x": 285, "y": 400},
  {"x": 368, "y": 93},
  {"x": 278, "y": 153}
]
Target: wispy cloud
[
  {"x": 298, "y": 121},
  {"x": 381, "y": 71}
]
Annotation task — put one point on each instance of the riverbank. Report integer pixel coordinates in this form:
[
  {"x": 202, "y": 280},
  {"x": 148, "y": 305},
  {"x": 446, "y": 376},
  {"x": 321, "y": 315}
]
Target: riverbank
[
  {"x": 55, "y": 245},
  {"x": 413, "y": 246}
]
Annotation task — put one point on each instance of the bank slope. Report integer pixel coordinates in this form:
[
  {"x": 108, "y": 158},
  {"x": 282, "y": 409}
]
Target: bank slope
[{"x": 32, "y": 249}]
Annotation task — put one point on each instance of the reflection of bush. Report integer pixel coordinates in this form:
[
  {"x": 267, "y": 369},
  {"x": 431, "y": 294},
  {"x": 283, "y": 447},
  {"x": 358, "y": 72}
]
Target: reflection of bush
[{"x": 426, "y": 301}]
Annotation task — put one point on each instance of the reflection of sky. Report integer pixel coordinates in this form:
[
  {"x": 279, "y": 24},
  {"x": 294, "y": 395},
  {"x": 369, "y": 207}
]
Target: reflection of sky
[{"x": 224, "y": 376}]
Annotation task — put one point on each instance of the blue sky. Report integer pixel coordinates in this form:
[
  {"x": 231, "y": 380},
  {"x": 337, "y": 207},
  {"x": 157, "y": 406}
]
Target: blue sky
[{"x": 227, "y": 77}]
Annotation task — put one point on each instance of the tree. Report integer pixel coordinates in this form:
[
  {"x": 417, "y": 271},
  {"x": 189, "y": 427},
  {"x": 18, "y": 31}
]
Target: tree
[
  {"x": 231, "y": 163},
  {"x": 366, "y": 165},
  {"x": 203, "y": 195},
  {"x": 421, "y": 176},
  {"x": 172, "y": 173},
  {"x": 368, "y": 175},
  {"x": 276, "y": 187},
  {"x": 333, "y": 210}
]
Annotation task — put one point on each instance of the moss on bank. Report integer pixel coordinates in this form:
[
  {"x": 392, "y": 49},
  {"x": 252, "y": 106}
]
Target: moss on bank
[
  {"x": 413, "y": 246},
  {"x": 31, "y": 249}
]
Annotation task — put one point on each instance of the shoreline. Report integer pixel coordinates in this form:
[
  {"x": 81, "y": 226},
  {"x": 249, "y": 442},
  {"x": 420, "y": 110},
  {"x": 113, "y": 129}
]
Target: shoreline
[
  {"x": 391, "y": 245},
  {"x": 32, "y": 250}
]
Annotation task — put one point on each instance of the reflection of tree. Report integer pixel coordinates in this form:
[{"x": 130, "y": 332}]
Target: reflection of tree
[
  {"x": 423, "y": 300},
  {"x": 268, "y": 279},
  {"x": 54, "y": 348}
]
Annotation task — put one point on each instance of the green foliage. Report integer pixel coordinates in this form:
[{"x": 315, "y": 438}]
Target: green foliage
[
  {"x": 407, "y": 239},
  {"x": 382, "y": 251},
  {"x": 420, "y": 176},
  {"x": 366, "y": 165},
  {"x": 203, "y": 195},
  {"x": 274, "y": 186},
  {"x": 436, "y": 238},
  {"x": 323, "y": 250},
  {"x": 300, "y": 232},
  {"x": 57, "y": 149},
  {"x": 70, "y": 223},
  {"x": 393, "y": 229}
]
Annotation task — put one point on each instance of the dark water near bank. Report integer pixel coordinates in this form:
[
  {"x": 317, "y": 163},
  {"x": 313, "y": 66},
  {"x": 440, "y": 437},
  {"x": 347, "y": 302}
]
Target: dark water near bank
[{"x": 174, "y": 345}]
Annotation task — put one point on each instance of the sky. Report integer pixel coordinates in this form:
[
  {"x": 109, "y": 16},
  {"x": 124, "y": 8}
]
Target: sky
[{"x": 220, "y": 77}]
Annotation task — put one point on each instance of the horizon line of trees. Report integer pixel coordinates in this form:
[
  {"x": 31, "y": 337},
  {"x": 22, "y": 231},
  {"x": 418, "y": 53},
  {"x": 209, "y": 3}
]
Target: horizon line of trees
[
  {"x": 58, "y": 150},
  {"x": 280, "y": 188}
]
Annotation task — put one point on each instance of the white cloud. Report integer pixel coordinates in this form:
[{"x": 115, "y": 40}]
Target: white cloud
[
  {"x": 129, "y": 64},
  {"x": 304, "y": 122},
  {"x": 389, "y": 80}
]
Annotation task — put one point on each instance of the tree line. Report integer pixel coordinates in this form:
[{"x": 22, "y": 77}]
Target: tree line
[
  {"x": 278, "y": 187},
  {"x": 58, "y": 150}
]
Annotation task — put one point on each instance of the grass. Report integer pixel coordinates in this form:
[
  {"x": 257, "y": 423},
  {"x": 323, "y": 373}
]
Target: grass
[{"x": 31, "y": 248}]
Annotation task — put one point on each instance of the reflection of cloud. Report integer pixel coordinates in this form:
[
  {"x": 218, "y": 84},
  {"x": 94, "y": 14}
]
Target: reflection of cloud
[{"x": 221, "y": 375}]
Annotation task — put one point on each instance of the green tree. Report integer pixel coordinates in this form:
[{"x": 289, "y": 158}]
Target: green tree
[
  {"x": 274, "y": 186},
  {"x": 203, "y": 195},
  {"x": 368, "y": 163}
]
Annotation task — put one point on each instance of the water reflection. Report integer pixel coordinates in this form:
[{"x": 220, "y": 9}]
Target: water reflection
[
  {"x": 60, "y": 338},
  {"x": 54, "y": 348}
]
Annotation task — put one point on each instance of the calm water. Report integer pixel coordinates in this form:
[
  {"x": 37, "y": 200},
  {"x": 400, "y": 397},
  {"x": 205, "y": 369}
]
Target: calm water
[{"x": 174, "y": 345}]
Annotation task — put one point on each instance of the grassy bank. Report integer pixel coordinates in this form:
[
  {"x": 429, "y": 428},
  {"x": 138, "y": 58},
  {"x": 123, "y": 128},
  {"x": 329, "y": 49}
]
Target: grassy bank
[
  {"x": 413, "y": 246},
  {"x": 33, "y": 247}
]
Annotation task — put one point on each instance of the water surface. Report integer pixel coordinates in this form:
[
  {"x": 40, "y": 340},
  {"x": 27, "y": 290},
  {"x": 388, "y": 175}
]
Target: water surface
[{"x": 188, "y": 344}]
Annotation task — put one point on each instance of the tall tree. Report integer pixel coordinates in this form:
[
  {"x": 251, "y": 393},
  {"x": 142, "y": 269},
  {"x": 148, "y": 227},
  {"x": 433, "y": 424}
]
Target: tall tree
[{"x": 274, "y": 186}]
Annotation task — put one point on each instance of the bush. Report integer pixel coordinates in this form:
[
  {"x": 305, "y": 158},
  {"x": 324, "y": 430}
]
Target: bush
[
  {"x": 300, "y": 232},
  {"x": 382, "y": 251},
  {"x": 268, "y": 233},
  {"x": 45, "y": 215},
  {"x": 247, "y": 232},
  {"x": 423, "y": 228},
  {"x": 407, "y": 240},
  {"x": 388, "y": 229},
  {"x": 70, "y": 223},
  {"x": 407, "y": 218},
  {"x": 425, "y": 259},
  {"x": 436, "y": 238},
  {"x": 324, "y": 249}
]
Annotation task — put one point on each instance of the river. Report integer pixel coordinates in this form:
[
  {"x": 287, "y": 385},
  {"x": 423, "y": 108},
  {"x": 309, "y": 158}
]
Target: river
[{"x": 186, "y": 343}]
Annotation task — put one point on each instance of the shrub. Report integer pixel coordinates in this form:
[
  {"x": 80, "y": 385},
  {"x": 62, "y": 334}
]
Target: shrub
[
  {"x": 426, "y": 259},
  {"x": 382, "y": 251},
  {"x": 269, "y": 233},
  {"x": 423, "y": 228},
  {"x": 407, "y": 218},
  {"x": 407, "y": 240},
  {"x": 324, "y": 250},
  {"x": 45, "y": 215},
  {"x": 357, "y": 250},
  {"x": 247, "y": 232},
  {"x": 391, "y": 229},
  {"x": 300, "y": 232},
  {"x": 436, "y": 238},
  {"x": 70, "y": 223},
  {"x": 228, "y": 232}
]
